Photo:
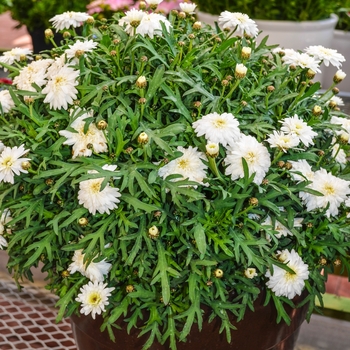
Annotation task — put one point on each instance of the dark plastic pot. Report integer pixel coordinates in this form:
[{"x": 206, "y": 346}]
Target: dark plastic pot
[
  {"x": 257, "y": 331},
  {"x": 40, "y": 43}
]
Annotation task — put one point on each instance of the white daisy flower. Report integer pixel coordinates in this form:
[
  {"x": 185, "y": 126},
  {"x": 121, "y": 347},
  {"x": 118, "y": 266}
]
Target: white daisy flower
[
  {"x": 3, "y": 242},
  {"x": 187, "y": 7},
  {"x": 345, "y": 124},
  {"x": 6, "y": 102},
  {"x": 283, "y": 141},
  {"x": 334, "y": 190},
  {"x": 282, "y": 230},
  {"x": 153, "y": 2},
  {"x": 69, "y": 19},
  {"x": 131, "y": 20},
  {"x": 80, "y": 48},
  {"x": 9, "y": 57},
  {"x": 11, "y": 163},
  {"x": 151, "y": 25},
  {"x": 33, "y": 73},
  {"x": 302, "y": 60},
  {"x": 4, "y": 219},
  {"x": 328, "y": 56},
  {"x": 190, "y": 166},
  {"x": 218, "y": 128},
  {"x": 250, "y": 272},
  {"x": 94, "y": 298},
  {"x": 295, "y": 125},
  {"x": 337, "y": 100},
  {"x": 338, "y": 153},
  {"x": 56, "y": 65},
  {"x": 60, "y": 89},
  {"x": 339, "y": 76},
  {"x": 303, "y": 167},
  {"x": 84, "y": 144},
  {"x": 94, "y": 271},
  {"x": 93, "y": 199},
  {"x": 284, "y": 283},
  {"x": 255, "y": 154},
  {"x": 245, "y": 25}
]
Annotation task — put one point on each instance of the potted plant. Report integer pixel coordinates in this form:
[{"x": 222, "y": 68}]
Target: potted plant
[
  {"x": 35, "y": 15},
  {"x": 341, "y": 43},
  {"x": 171, "y": 177},
  {"x": 292, "y": 24}
]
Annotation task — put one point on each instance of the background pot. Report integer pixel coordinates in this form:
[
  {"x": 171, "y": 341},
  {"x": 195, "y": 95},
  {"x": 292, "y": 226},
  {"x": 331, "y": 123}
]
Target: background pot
[
  {"x": 258, "y": 330},
  {"x": 341, "y": 43},
  {"x": 40, "y": 43}
]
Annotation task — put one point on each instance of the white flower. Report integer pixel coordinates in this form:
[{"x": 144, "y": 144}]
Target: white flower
[
  {"x": 79, "y": 48},
  {"x": 153, "y": 2},
  {"x": 56, "y": 65},
  {"x": 339, "y": 76},
  {"x": 3, "y": 242},
  {"x": 250, "y": 272},
  {"x": 338, "y": 153},
  {"x": 218, "y": 128},
  {"x": 189, "y": 166},
  {"x": 84, "y": 143},
  {"x": 9, "y": 57},
  {"x": 255, "y": 154},
  {"x": 187, "y": 7},
  {"x": 295, "y": 125},
  {"x": 11, "y": 163},
  {"x": 240, "y": 71},
  {"x": 245, "y": 25},
  {"x": 94, "y": 271},
  {"x": 131, "y": 20},
  {"x": 33, "y": 73},
  {"x": 328, "y": 56},
  {"x": 345, "y": 124},
  {"x": 280, "y": 228},
  {"x": 6, "y": 102},
  {"x": 60, "y": 89},
  {"x": 334, "y": 190},
  {"x": 69, "y": 19},
  {"x": 212, "y": 149},
  {"x": 302, "y": 60},
  {"x": 151, "y": 25},
  {"x": 284, "y": 283},
  {"x": 94, "y": 298},
  {"x": 4, "y": 219},
  {"x": 283, "y": 141},
  {"x": 303, "y": 167},
  {"x": 337, "y": 100},
  {"x": 93, "y": 199}
]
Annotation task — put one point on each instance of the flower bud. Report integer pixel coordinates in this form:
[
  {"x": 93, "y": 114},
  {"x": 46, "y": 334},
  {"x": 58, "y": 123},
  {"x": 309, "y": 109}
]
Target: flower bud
[
  {"x": 182, "y": 15},
  {"x": 102, "y": 125},
  {"x": 323, "y": 261},
  {"x": 144, "y": 59},
  {"x": 141, "y": 82},
  {"x": 90, "y": 20},
  {"x": 218, "y": 273},
  {"x": 66, "y": 35},
  {"x": 332, "y": 104},
  {"x": 25, "y": 165},
  {"x": 281, "y": 163},
  {"x": 65, "y": 273},
  {"x": 224, "y": 82},
  {"x": 288, "y": 165},
  {"x": 143, "y": 138},
  {"x": 197, "y": 25},
  {"x": 129, "y": 288},
  {"x": 270, "y": 88},
  {"x": 253, "y": 201},
  {"x": 49, "y": 182},
  {"x": 197, "y": 104},
  {"x": 142, "y": 101},
  {"x": 48, "y": 33},
  {"x": 142, "y": 5},
  {"x": 212, "y": 149},
  {"x": 191, "y": 36},
  {"x": 250, "y": 272},
  {"x": 83, "y": 222},
  {"x": 129, "y": 150},
  {"x": 337, "y": 262},
  {"x": 246, "y": 52},
  {"x": 240, "y": 71},
  {"x": 317, "y": 110},
  {"x": 335, "y": 91},
  {"x": 310, "y": 74},
  {"x": 339, "y": 76},
  {"x": 153, "y": 232}
]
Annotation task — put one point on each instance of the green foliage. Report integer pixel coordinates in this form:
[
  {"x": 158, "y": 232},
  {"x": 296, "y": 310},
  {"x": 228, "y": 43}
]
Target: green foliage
[
  {"x": 208, "y": 232},
  {"x": 290, "y": 10}
]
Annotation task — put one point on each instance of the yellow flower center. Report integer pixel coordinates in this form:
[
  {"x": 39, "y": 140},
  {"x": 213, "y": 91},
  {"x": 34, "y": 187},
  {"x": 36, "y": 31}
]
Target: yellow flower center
[
  {"x": 8, "y": 162},
  {"x": 329, "y": 189},
  {"x": 94, "y": 298},
  {"x": 184, "y": 164},
  {"x": 95, "y": 186},
  {"x": 220, "y": 123},
  {"x": 291, "y": 276},
  {"x": 250, "y": 157}
]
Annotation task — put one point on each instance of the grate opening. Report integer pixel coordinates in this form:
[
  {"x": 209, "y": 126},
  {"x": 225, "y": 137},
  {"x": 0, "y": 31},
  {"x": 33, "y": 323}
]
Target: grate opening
[{"x": 27, "y": 319}]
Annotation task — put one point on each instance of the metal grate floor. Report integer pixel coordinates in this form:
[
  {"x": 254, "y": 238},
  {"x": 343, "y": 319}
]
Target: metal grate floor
[{"x": 27, "y": 319}]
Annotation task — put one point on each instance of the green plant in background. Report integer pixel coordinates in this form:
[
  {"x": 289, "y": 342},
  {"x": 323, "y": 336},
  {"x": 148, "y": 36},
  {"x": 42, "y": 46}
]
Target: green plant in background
[
  {"x": 35, "y": 14},
  {"x": 159, "y": 164},
  {"x": 344, "y": 18},
  {"x": 289, "y": 10}
]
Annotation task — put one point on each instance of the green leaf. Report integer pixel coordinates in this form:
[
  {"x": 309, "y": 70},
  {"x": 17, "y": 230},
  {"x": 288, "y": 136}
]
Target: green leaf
[{"x": 199, "y": 236}]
